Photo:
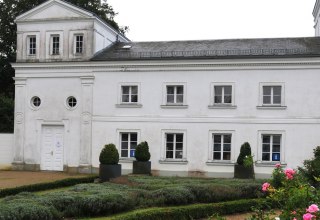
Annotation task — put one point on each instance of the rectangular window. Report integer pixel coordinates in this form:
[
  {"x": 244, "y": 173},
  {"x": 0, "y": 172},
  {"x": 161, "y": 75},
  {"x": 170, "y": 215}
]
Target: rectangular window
[
  {"x": 129, "y": 94},
  {"x": 221, "y": 146},
  {"x": 175, "y": 94},
  {"x": 271, "y": 95},
  {"x": 174, "y": 145},
  {"x": 128, "y": 142},
  {"x": 32, "y": 45},
  {"x": 55, "y": 45},
  {"x": 79, "y": 43},
  {"x": 222, "y": 94},
  {"x": 271, "y": 146}
]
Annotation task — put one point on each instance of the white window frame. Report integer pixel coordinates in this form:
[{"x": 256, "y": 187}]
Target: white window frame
[
  {"x": 210, "y": 147},
  {"x": 66, "y": 104},
  {"x": 49, "y": 45},
  {"x": 119, "y": 132},
  {"x": 222, "y": 105},
  {"x": 28, "y": 45},
  {"x": 163, "y": 158},
  {"x": 121, "y": 104},
  {"x": 276, "y": 106},
  {"x": 75, "y": 44},
  {"x": 32, "y": 106},
  {"x": 165, "y": 104},
  {"x": 282, "y": 146}
]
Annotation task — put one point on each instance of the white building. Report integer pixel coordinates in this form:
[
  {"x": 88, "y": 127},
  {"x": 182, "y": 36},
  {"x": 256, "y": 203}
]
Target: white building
[{"x": 81, "y": 85}]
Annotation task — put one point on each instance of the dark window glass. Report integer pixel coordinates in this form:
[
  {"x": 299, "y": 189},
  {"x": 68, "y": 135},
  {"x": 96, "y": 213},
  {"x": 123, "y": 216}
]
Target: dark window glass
[
  {"x": 222, "y": 94},
  {"x": 271, "y": 147},
  {"x": 72, "y": 102},
  {"x": 32, "y": 45},
  {"x": 55, "y": 45},
  {"x": 174, "y": 146},
  {"x": 79, "y": 44},
  {"x": 221, "y": 146},
  {"x": 36, "y": 101},
  {"x": 128, "y": 144}
]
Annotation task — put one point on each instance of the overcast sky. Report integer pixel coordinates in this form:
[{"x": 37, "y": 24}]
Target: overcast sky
[{"x": 161, "y": 20}]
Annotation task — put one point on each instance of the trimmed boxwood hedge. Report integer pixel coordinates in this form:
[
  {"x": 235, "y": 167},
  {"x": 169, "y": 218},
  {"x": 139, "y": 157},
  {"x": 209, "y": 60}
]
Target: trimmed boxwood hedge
[
  {"x": 46, "y": 186},
  {"x": 195, "y": 211},
  {"x": 89, "y": 200}
]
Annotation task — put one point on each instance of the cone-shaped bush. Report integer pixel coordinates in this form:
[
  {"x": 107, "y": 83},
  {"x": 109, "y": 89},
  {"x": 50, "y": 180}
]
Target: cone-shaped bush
[
  {"x": 245, "y": 150},
  {"x": 109, "y": 155},
  {"x": 142, "y": 152}
]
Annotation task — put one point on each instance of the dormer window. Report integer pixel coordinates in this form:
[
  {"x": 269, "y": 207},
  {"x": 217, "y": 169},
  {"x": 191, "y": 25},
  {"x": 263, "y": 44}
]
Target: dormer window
[
  {"x": 32, "y": 45},
  {"x": 78, "y": 44},
  {"x": 55, "y": 50}
]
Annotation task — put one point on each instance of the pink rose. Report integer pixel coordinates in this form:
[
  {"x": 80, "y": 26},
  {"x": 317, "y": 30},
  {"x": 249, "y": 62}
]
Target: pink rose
[
  {"x": 278, "y": 165},
  {"x": 307, "y": 216},
  {"x": 265, "y": 187},
  {"x": 294, "y": 218},
  {"x": 289, "y": 173},
  {"x": 293, "y": 212},
  {"x": 313, "y": 208}
]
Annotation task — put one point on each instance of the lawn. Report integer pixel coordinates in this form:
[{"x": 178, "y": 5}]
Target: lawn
[{"x": 133, "y": 193}]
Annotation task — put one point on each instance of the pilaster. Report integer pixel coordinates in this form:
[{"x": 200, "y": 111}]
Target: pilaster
[
  {"x": 86, "y": 123},
  {"x": 19, "y": 122}
]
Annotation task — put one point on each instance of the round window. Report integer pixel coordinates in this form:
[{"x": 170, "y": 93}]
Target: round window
[
  {"x": 35, "y": 101},
  {"x": 71, "y": 102}
]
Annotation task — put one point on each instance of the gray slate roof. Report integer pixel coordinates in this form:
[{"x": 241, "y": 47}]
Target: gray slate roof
[{"x": 212, "y": 49}]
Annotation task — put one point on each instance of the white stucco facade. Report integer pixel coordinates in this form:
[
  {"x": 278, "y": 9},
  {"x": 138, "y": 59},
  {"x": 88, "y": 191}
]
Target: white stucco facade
[{"x": 99, "y": 117}]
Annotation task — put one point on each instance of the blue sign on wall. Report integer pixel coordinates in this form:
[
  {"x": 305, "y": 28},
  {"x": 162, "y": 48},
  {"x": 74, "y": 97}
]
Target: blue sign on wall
[
  {"x": 132, "y": 153},
  {"x": 276, "y": 157}
]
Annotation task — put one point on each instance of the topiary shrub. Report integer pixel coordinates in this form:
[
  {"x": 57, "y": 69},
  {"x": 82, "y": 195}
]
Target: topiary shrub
[
  {"x": 245, "y": 151},
  {"x": 109, "y": 155},
  {"x": 142, "y": 152},
  {"x": 311, "y": 168}
]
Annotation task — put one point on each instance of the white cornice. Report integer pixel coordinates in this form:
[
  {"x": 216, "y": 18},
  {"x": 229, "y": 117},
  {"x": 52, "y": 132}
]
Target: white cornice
[
  {"x": 207, "y": 119},
  {"x": 187, "y": 65}
]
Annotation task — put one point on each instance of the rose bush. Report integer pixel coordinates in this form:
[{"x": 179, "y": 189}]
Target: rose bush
[{"x": 295, "y": 197}]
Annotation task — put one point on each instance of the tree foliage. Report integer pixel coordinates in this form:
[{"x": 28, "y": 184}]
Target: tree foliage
[
  {"x": 6, "y": 114},
  {"x": 10, "y": 9}
]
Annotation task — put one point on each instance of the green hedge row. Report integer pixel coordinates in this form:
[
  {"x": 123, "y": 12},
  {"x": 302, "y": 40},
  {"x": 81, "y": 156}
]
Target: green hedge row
[
  {"x": 46, "y": 186},
  {"x": 195, "y": 211}
]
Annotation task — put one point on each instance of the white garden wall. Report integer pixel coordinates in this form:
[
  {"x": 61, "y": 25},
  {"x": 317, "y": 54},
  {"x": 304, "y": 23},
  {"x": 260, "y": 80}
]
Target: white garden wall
[{"x": 6, "y": 155}]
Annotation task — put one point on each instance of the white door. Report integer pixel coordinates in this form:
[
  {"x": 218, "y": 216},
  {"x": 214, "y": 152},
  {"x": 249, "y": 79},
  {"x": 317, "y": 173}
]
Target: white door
[{"x": 52, "y": 148}]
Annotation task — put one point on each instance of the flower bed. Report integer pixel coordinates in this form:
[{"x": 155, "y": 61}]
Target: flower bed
[{"x": 293, "y": 194}]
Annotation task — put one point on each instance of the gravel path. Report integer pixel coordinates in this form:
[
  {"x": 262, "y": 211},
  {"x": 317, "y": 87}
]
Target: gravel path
[{"x": 10, "y": 179}]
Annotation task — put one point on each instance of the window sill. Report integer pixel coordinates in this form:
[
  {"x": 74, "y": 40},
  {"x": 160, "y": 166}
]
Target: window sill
[
  {"x": 127, "y": 160},
  {"x": 269, "y": 164},
  {"x": 219, "y": 163},
  {"x": 272, "y": 107},
  {"x": 222, "y": 106},
  {"x": 175, "y": 106},
  {"x": 173, "y": 161},
  {"x": 129, "y": 105}
]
